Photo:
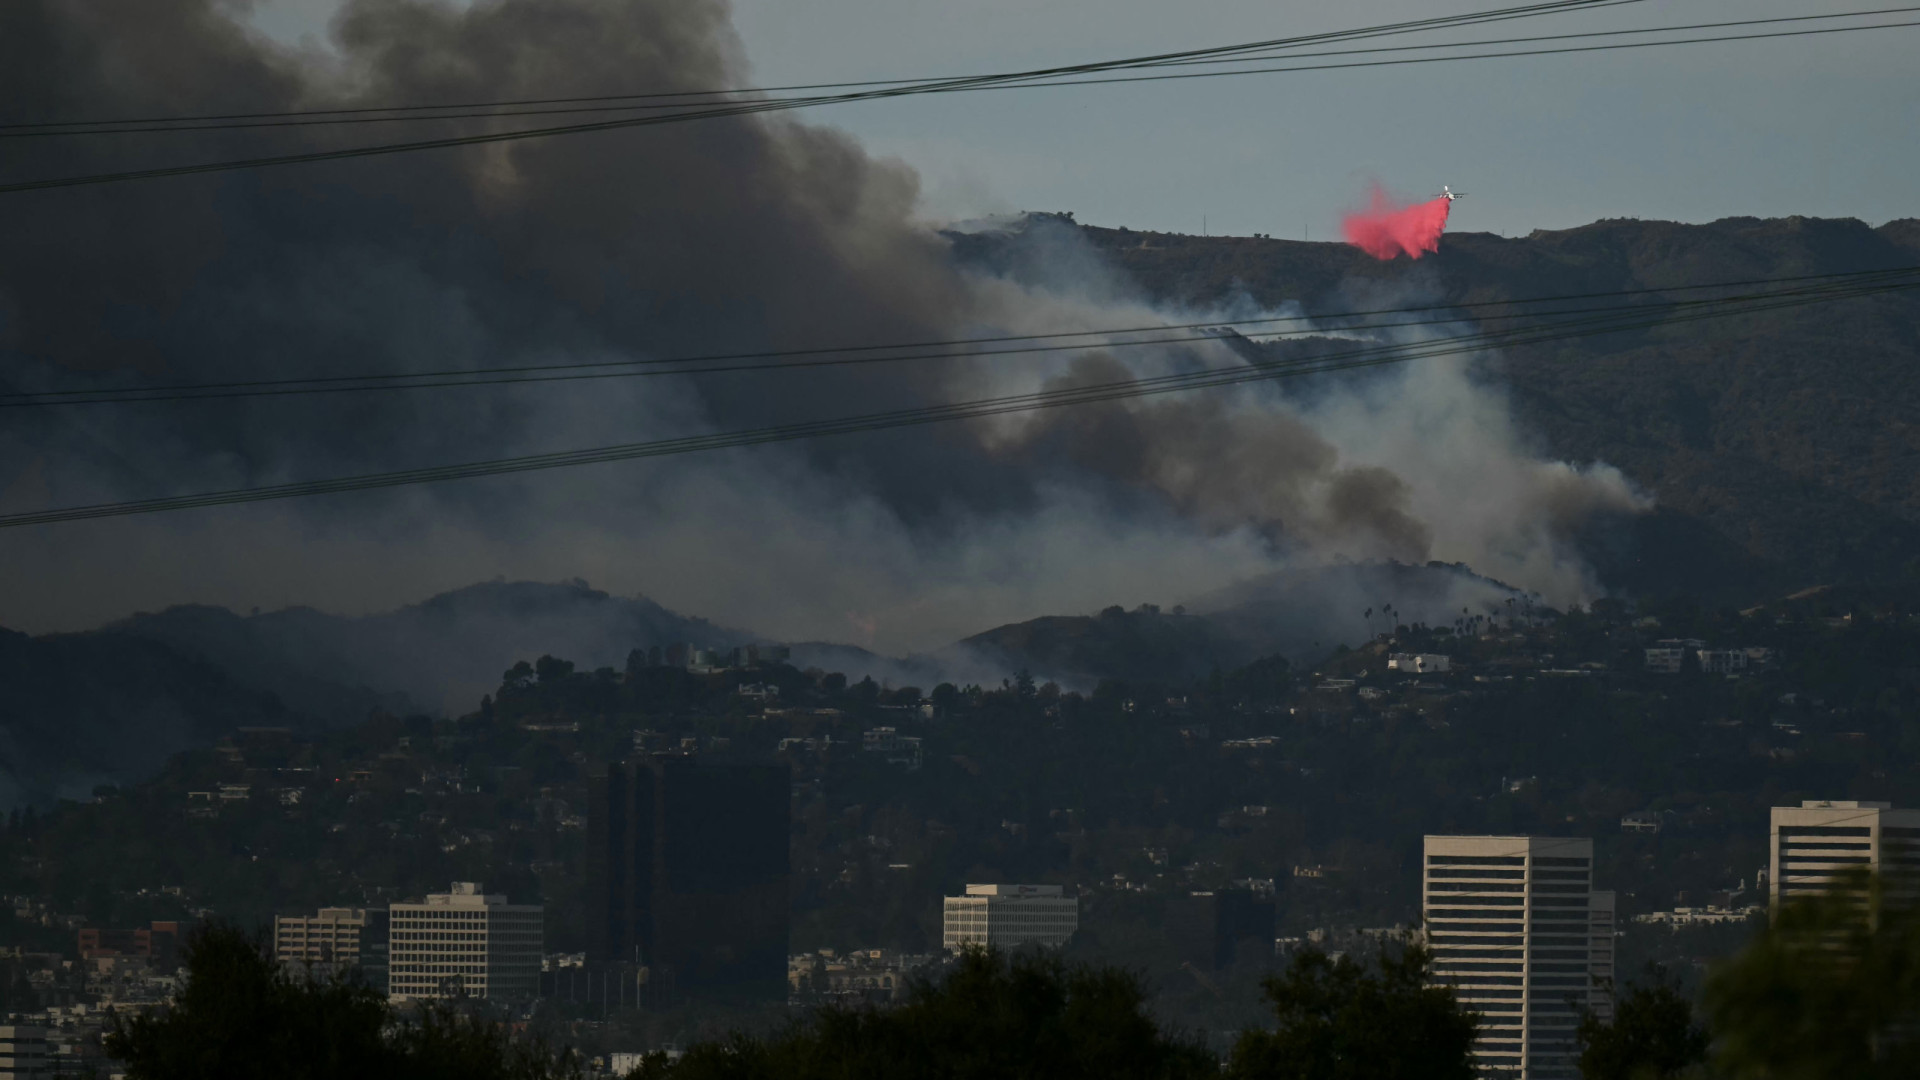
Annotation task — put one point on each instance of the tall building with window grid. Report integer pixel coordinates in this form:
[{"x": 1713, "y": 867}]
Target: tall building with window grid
[
  {"x": 1520, "y": 935},
  {"x": 1009, "y": 916},
  {"x": 1814, "y": 844},
  {"x": 333, "y": 940},
  {"x": 464, "y": 941}
]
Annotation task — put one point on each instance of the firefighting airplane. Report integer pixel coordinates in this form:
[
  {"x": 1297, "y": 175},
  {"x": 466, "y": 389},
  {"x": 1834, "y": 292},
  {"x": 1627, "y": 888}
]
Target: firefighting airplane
[{"x": 1449, "y": 194}]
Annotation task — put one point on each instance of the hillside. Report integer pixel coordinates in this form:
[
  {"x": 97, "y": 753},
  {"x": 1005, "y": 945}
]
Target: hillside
[
  {"x": 440, "y": 654},
  {"x": 112, "y": 705},
  {"x": 83, "y": 710},
  {"x": 1780, "y": 447},
  {"x": 1143, "y": 644},
  {"x": 1301, "y": 614}
]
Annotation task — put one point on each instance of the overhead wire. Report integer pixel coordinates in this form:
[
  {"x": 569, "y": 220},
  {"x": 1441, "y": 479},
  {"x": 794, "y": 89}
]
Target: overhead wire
[
  {"x": 844, "y": 355},
  {"x": 1055, "y": 76},
  {"x": 785, "y": 104},
  {"x": 1626, "y": 317},
  {"x": 1360, "y": 33},
  {"x": 598, "y": 103}
]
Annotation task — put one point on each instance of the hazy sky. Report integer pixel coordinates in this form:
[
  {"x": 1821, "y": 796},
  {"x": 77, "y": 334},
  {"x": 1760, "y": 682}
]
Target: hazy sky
[
  {"x": 749, "y": 235},
  {"x": 1820, "y": 126}
]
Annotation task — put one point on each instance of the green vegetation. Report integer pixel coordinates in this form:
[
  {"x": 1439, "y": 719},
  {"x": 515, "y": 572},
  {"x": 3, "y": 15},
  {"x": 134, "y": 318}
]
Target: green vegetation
[
  {"x": 1831, "y": 989},
  {"x": 1340, "y": 1020},
  {"x": 990, "y": 1017},
  {"x": 239, "y": 1016},
  {"x": 1133, "y": 793},
  {"x": 1653, "y": 1035}
]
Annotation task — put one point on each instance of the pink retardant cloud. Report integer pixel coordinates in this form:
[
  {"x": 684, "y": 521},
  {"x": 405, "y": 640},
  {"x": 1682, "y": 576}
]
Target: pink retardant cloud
[{"x": 1386, "y": 229}]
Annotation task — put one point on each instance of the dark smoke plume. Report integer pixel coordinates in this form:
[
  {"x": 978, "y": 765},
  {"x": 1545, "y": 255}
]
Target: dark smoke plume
[{"x": 718, "y": 236}]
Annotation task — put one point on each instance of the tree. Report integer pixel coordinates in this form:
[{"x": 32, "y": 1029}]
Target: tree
[
  {"x": 992, "y": 1017},
  {"x": 1023, "y": 683},
  {"x": 552, "y": 671},
  {"x": 239, "y": 1016},
  {"x": 1653, "y": 1035},
  {"x": 1340, "y": 1020},
  {"x": 1830, "y": 989},
  {"x": 944, "y": 695}
]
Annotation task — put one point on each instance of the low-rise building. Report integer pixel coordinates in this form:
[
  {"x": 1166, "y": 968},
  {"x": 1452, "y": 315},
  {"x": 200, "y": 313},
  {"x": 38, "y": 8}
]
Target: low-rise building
[
  {"x": 1668, "y": 655},
  {"x": 1722, "y": 661},
  {"x": 465, "y": 940},
  {"x": 1009, "y": 916},
  {"x": 901, "y": 750},
  {"x": 1419, "y": 663},
  {"x": 1699, "y": 916},
  {"x": 1642, "y": 821},
  {"x": 870, "y": 976},
  {"x": 333, "y": 940},
  {"x": 158, "y": 942}
]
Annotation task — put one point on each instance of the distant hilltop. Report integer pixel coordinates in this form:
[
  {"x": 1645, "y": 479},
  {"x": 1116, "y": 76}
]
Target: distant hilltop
[{"x": 1779, "y": 447}]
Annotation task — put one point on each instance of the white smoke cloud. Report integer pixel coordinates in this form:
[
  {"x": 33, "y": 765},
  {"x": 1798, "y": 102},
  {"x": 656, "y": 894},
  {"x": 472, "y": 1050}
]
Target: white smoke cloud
[{"x": 699, "y": 238}]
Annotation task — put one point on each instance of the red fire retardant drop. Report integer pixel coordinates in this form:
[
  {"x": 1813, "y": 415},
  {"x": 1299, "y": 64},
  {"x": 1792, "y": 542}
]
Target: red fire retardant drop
[{"x": 1384, "y": 230}]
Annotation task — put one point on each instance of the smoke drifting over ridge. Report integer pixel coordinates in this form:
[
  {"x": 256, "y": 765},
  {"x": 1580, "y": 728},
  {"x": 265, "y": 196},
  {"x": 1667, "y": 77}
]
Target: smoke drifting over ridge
[{"x": 716, "y": 236}]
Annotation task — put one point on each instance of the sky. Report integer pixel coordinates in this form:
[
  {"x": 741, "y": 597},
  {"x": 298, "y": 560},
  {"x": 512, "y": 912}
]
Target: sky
[
  {"x": 740, "y": 235},
  {"x": 1819, "y": 126}
]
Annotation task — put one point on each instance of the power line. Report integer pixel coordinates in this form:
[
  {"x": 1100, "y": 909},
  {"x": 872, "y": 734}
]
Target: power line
[
  {"x": 1553, "y": 37},
  {"x": 785, "y": 104},
  {"x": 639, "y": 102},
  {"x": 1384, "y": 30},
  {"x": 774, "y": 360},
  {"x": 1470, "y": 56},
  {"x": 1624, "y": 318},
  {"x": 773, "y": 105}
]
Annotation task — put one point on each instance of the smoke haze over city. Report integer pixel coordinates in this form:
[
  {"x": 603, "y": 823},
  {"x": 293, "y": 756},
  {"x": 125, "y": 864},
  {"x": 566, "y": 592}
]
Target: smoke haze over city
[{"x": 718, "y": 237}]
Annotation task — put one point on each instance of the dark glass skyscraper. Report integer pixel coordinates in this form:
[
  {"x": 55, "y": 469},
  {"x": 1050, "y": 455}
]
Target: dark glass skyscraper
[
  {"x": 688, "y": 873},
  {"x": 1213, "y": 930}
]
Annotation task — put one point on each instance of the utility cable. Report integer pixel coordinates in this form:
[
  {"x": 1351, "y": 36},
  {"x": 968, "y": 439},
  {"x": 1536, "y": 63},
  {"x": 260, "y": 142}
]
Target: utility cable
[
  {"x": 773, "y": 360},
  {"x": 1132, "y": 388},
  {"x": 786, "y": 104},
  {"x": 774, "y": 105},
  {"x": 1389, "y": 29},
  {"x": 577, "y": 106}
]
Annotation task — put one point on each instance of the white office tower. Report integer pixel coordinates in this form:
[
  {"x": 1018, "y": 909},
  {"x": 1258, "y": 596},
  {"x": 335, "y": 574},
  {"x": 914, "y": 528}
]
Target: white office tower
[
  {"x": 464, "y": 941},
  {"x": 1814, "y": 843},
  {"x": 1008, "y": 916},
  {"x": 1515, "y": 928},
  {"x": 25, "y": 1054},
  {"x": 333, "y": 940}
]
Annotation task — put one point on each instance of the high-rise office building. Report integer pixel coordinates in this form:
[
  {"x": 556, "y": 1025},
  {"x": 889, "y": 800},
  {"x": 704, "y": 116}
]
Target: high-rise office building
[
  {"x": 1521, "y": 936},
  {"x": 687, "y": 874},
  {"x": 25, "y": 1054},
  {"x": 465, "y": 941},
  {"x": 333, "y": 940},
  {"x": 1214, "y": 929},
  {"x": 1009, "y": 916},
  {"x": 1814, "y": 844}
]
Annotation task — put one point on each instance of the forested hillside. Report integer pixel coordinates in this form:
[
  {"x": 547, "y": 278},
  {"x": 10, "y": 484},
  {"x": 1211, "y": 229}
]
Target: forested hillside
[{"x": 1781, "y": 447}]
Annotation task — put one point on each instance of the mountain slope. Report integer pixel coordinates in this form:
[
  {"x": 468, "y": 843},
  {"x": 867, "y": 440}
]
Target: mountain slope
[
  {"x": 440, "y": 654},
  {"x": 105, "y": 708},
  {"x": 1144, "y": 644},
  {"x": 1781, "y": 446}
]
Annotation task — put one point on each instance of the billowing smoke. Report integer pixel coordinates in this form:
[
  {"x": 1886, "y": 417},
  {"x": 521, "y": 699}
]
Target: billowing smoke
[
  {"x": 1387, "y": 229},
  {"x": 720, "y": 236}
]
